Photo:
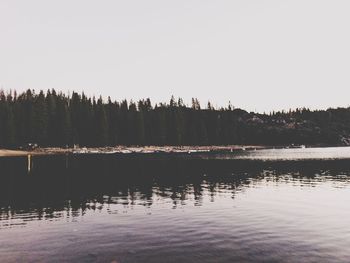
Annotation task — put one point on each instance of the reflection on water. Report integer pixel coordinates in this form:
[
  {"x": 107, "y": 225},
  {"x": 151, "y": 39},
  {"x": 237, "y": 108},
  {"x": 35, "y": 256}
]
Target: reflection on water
[
  {"x": 326, "y": 153},
  {"x": 161, "y": 208}
]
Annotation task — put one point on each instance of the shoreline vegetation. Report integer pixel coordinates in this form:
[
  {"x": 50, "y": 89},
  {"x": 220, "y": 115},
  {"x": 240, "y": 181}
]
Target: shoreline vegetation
[{"x": 63, "y": 121}]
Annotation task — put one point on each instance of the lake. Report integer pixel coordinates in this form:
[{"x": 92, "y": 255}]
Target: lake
[{"x": 277, "y": 205}]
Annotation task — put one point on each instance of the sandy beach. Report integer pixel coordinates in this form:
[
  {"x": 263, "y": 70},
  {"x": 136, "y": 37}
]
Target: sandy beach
[{"x": 7, "y": 153}]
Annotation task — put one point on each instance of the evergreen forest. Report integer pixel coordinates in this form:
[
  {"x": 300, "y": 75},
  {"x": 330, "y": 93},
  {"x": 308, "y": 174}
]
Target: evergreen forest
[{"x": 54, "y": 119}]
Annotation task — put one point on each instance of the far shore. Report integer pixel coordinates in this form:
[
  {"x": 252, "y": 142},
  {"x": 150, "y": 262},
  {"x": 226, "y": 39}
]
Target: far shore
[
  {"x": 145, "y": 149},
  {"x": 125, "y": 149}
]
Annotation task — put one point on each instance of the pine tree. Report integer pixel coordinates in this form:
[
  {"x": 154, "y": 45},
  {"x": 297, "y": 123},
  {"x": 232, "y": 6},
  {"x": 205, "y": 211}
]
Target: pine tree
[
  {"x": 39, "y": 120},
  {"x": 64, "y": 132}
]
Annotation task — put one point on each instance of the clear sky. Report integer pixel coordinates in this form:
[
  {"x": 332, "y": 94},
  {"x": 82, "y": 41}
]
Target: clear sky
[{"x": 260, "y": 55}]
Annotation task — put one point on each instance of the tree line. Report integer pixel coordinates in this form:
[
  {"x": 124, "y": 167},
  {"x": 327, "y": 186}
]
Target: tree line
[{"x": 56, "y": 119}]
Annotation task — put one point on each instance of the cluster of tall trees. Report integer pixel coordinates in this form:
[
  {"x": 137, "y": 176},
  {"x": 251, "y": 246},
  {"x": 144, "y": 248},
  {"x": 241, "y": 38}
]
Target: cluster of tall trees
[{"x": 55, "y": 119}]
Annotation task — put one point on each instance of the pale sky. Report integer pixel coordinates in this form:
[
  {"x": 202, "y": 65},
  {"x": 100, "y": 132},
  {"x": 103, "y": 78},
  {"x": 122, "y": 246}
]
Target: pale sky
[{"x": 260, "y": 55}]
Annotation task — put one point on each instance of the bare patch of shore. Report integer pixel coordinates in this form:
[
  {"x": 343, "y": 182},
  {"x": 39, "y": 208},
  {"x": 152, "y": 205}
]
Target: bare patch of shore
[
  {"x": 124, "y": 149},
  {"x": 6, "y": 153}
]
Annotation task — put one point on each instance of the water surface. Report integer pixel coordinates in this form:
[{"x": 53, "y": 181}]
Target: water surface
[{"x": 176, "y": 208}]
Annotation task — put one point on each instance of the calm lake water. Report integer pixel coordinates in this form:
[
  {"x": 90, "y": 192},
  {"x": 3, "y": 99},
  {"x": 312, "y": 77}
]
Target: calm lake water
[{"x": 288, "y": 205}]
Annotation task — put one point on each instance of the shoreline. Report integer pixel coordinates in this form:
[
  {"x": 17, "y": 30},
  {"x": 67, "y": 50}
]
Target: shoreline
[
  {"x": 145, "y": 149},
  {"x": 126, "y": 150}
]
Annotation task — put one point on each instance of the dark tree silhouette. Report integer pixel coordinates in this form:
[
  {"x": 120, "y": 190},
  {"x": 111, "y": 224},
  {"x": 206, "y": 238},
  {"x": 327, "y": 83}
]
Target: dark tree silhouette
[{"x": 55, "y": 119}]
